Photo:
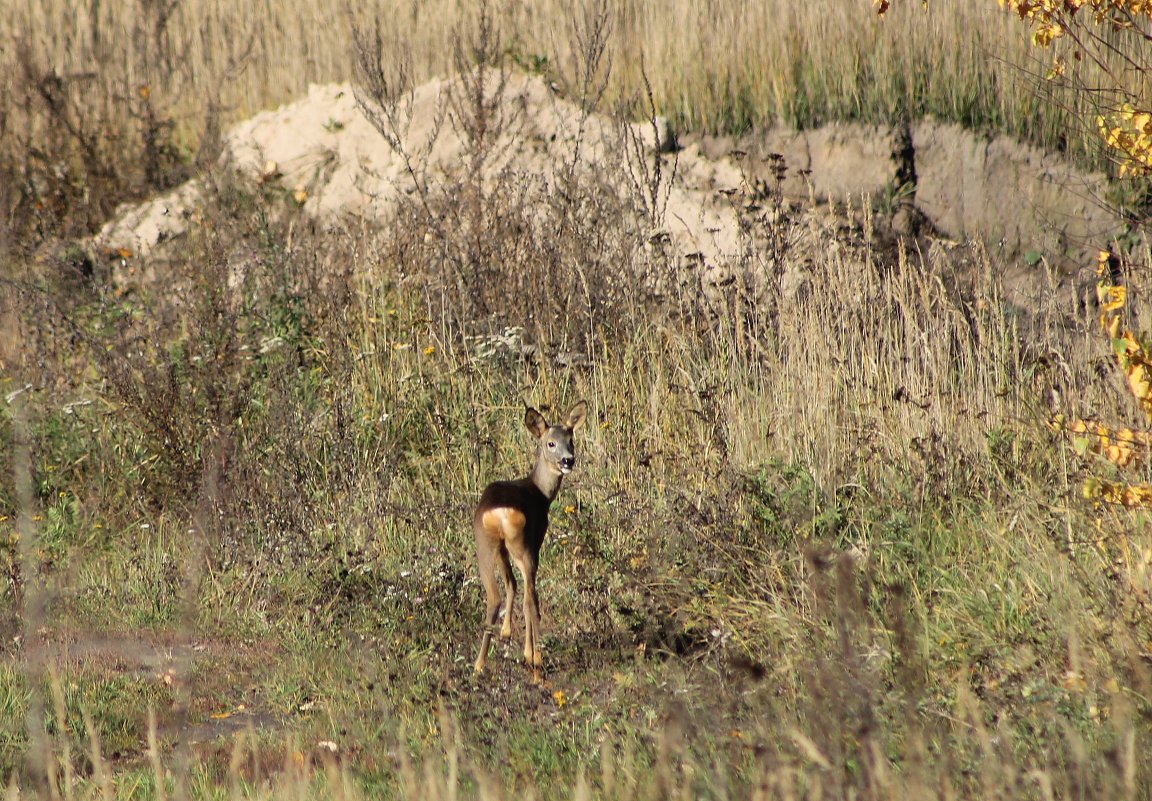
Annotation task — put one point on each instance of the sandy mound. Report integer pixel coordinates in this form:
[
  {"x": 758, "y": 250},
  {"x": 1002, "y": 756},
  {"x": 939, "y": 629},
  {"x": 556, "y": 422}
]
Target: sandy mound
[{"x": 324, "y": 151}]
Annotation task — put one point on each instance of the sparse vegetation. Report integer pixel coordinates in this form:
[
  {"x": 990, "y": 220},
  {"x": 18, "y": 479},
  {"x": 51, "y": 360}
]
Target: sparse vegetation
[{"x": 819, "y": 545}]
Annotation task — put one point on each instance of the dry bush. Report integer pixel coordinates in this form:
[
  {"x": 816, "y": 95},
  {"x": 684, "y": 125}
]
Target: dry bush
[
  {"x": 97, "y": 110},
  {"x": 495, "y": 243},
  {"x": 203, "y": 373},
  {"x": 819, "y": 496}
]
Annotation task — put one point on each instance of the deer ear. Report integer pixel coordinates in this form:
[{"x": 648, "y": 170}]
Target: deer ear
[
  {"x": 535, "y": 422},
  {"x": 576, "y": 415}
]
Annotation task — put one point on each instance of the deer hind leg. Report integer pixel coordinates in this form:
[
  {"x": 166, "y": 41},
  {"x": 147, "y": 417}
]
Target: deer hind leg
[
  {"x": 532, "y": 655},
  {"x": 486, "y": 559},
  {"x": 509, "y": 593}
]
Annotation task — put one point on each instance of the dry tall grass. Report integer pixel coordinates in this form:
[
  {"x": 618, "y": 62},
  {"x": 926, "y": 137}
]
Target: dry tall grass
[
  {"x": 822, "y": 549},
  {"x": 112, "y": 100},
  {"x": 713, "y": 66},
  {"x": 841, "y": 558}
]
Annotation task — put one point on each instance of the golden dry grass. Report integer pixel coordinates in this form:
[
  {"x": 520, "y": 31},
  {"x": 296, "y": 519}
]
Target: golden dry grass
[{"x": 713, "y": 66}]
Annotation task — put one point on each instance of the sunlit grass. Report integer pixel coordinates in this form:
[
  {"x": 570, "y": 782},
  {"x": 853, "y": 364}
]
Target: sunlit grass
[
  {"x": 720, "y": 68},
  {"x": 846, "y": 546}
]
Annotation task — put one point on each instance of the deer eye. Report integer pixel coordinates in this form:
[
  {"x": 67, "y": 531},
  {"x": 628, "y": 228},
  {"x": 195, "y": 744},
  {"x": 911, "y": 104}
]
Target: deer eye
[{"x": 551, "y": 444}]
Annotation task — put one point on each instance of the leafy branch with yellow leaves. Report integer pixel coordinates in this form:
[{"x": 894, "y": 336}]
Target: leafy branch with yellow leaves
[
  {"x": 1124, "y": 447},
  {"x": 1093, "y": 29},
  {"x": 1116, "y": 36}
]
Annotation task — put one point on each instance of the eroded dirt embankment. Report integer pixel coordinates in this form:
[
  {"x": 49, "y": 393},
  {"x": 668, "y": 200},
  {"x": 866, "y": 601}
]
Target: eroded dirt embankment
[{"x": 963, "y": 185}]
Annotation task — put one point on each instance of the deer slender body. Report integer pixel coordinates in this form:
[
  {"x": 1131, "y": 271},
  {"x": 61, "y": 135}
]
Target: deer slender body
[{"x": 510, "y": 522}]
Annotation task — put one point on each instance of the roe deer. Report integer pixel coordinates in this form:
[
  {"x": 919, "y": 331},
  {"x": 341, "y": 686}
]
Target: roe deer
[{"x": 510, "y": 521}]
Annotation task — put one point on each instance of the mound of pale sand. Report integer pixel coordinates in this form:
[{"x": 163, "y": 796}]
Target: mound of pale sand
[{"x": 325, "y": 150}]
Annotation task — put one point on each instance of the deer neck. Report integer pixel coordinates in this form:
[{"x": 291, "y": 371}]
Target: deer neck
[{"x": 546, "y": 479}]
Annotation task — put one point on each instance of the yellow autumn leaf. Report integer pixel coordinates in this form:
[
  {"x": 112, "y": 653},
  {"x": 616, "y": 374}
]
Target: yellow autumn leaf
[
  {"x": 1119, "y": 454},
  {"x": 1139, "y": 382},
  {"x": 1113, "y": 297},
  {"x": 1074, "y": 681},
  {"x": 1044, "y": 35},
  {"x": 1119, "y": 494},
  {"x": 1091, "y": 489},
  {"x": 1138, "y": 495}
]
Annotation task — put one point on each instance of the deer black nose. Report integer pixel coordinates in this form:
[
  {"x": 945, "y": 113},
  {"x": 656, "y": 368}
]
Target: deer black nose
[{"x": 568, "y": 461}]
